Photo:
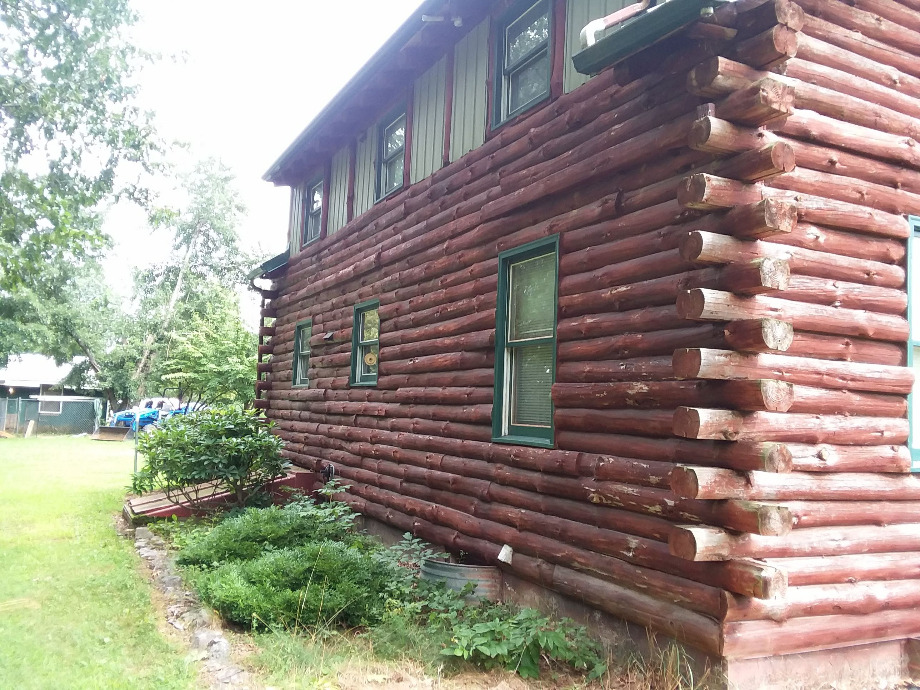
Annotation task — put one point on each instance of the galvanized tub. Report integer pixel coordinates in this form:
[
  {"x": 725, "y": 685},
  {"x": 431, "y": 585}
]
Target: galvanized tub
[{"x": 487, "y": 578}]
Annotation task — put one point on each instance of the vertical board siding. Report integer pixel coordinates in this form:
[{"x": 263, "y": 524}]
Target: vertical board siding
[
  {"x": 578, "y": 13},
  {"x": 295, "y": 224},
  {"x": 471, "y": 72},
  {"x": 428, "y": 122},
  {"x": 365, "y": 171},
  {"x": 338, "y": 192}
]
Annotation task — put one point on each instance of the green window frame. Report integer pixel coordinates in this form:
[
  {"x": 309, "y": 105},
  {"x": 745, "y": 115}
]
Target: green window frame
[
  {"x": 365, "y": 344},
  {"x": 525, "y": 344},
  {"x": 913, "y": 343},
  {"x": 523, "y": 51},
  {"x": 312, "y": 213},
  {"x": 391, "y": 153},
  {"x": 302, "y": 334}
]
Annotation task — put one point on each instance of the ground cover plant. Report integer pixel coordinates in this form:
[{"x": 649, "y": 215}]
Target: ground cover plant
[
  {"x": 304, "y": 567},
  {"x": 230, "y": 449},
  {"x": 75, "y": 611}
]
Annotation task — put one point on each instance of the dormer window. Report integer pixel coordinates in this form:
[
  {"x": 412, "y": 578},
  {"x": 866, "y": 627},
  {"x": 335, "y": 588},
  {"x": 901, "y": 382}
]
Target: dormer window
[
  {"x": 523, "y": 59},
  {"x": 313, "y": 212},
  {"x": 391, "y": 160}
]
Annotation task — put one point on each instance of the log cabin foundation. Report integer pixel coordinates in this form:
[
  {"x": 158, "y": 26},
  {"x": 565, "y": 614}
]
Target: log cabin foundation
[{"x": 727, "y": 455}]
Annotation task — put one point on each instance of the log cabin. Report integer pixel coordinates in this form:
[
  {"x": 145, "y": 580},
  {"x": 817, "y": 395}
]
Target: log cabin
[{"x": 632, "y": 301}]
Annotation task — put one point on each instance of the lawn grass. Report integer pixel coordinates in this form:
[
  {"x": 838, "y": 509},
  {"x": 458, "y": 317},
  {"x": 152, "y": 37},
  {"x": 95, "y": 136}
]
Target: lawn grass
[{"x": 75, "y": 611}]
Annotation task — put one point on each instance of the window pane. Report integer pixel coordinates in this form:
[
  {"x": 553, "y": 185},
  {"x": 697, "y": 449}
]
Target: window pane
[
  {"x": 393, "y": 175},
  {"x": 303, "y": 363},
  {"x": 532, "y": 307},
  {"x": 915, "y": 403},
  {"x": 314, "y": 220},
  {"x": 370, "y": 325},
  {"x": 395, "y": 137},
  {"x": 316, "y": 201},
  {"x": 531, "y": 384},
  {"x": 524, "y": 35},
  {"x": 913, "y": 262},
  {"x": 369, "y": 355},
  {"x": 528, "y": 83}
]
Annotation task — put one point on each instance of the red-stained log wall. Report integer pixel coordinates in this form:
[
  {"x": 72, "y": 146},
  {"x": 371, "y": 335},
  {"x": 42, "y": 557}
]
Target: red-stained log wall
[{"x": 730, "y": 402}]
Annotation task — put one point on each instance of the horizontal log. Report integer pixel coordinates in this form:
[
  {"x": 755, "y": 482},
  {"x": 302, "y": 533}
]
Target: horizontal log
[
  {"x": 724, "y": 365},
  {"x": 712, "y": 248},
  {"x": 857, "y": 568},
  {"x": 838, "y": 513},
  {"x": 769, "y": 49},
  {"x": 633, "y": 321},
  {"x": 759, "y": 335},
  {"x": 820, "y": 346},
  {"x": 706, "y": 192},
  {"x": 827, "y": 458},
  {"x": 709, "y": 483},
  {"x": 749, "y": 639},
  {"x": 744, "y": 395},
  {"x": 702, "y": 304},
  {"x": 711, "y": 544}
]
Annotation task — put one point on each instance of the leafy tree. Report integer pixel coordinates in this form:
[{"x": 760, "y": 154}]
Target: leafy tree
[
  {"x": 213, "y": 358},
  {"x": 68, "y": 124}
]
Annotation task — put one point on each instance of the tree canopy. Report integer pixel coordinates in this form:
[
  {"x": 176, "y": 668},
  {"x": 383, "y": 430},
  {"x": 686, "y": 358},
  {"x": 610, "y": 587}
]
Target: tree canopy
[{"x": 69, "y": 124}]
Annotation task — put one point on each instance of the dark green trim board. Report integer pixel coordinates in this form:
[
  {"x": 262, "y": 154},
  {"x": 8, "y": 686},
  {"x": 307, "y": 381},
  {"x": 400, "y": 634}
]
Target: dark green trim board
[
  {"x": 502, "y": 429},
  {"x": 305, "y": 327},
  {"x": 356, "y": 379},
  {"x": 913, "y": 255},
  {"x": 640, "y": 32},
  {"x": 270, "y": 265},
  {"x": 501, "y": 85}
]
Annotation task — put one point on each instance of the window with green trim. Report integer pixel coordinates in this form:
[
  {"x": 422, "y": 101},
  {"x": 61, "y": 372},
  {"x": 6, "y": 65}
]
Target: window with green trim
[
  {"x": 523, "y": 59},
  {"x": 302, "y": 335},
  {"x": 391, "y": 156},
  {"x": 313, "y": 213},
  {"x": 913, "y": 346},
  {"x": 525, "y": 347},
  {"x": 365, "y": 344}
]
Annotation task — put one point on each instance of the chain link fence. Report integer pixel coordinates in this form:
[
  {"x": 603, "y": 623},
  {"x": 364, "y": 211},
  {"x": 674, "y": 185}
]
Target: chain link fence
[{"x": 51, "y": 415}]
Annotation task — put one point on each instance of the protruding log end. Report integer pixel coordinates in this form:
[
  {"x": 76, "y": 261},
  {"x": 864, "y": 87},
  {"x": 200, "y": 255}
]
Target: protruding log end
[
  {"x": 267, "y": 331},
  {"x": 759, "y": 395},
  {"x": 691, "y": 304},
  {"x": 702, "y": 191},
  {"x": 756, "y": 277},
  {"x": 761, "y": 164},
  {"x": 776, "y": 457},
  {"x": 700, "y": 544},
  {"x": 687, "y": 363},
  {"x": 260, "y": 404},
  {"x": 699, "y": 423},
  {"x": 765, "y": 519},
  {"x": 764, "y": 101},
  {"x": 759, "y": 335},
  {"x": 269, "y": 312},
  {"x": 262, "y": 386},
  {"x": 264, "y": 367},
  {"x": 707, "y": 482},
  {"x": 763, "y": 219},
  {"x": 265, "y": 350}
]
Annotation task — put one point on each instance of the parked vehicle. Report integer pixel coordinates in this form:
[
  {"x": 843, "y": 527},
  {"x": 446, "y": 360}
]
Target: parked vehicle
[{"x": 149, "y": 411}]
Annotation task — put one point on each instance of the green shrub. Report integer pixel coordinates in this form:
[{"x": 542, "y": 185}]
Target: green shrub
[
  {"x": 233, "y": 449},
  {"x": 319, "y": 584},
  {"x": 257, "y": 530}
]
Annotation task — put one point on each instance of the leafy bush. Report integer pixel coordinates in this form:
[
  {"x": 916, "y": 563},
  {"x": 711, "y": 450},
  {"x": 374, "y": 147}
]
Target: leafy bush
[
  {"x": 319, "y": 584},
  {"x": 256, "y": 530},
  {"x": 519, "y": 639},
  {"x": 232, "y": 449}
]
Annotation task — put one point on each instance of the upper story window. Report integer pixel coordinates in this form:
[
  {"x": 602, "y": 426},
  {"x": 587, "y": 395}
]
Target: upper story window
[
  {"x": 313, "y": 212},
  {"x": 391, "y": 159},
  {"x": 302, "y": 336},
  {"x": 523, "y": 60},
  {"x": 365, "y": 349},
  {"x": 525, "y": 344}
]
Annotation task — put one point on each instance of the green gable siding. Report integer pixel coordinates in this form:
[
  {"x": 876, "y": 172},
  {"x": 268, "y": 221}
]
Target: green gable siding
[
  {"x": 428, "y": 121},
  {"x": 295, "y": 225},
  {"x": 578, "y": 14},
  {"x": 338, "y": 192},
  {"x": 470, "y": 105},
  {"x": 365, "y": 172}
]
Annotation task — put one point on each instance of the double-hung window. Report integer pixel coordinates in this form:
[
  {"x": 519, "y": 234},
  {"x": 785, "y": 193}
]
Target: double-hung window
[
  {"x": 365, "y": 347},
  {"x": 525, "y": 335},
  {"x": 913, "y": 346},
  {"x": 313, "y": 212},
  {"x": 523, "y": 59},
  {"x": 391, "y": 156},
  {"x": 302, "y": 336}
]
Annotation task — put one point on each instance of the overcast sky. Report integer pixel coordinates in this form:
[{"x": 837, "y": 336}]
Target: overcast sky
[{"x": 247, "y": 79}]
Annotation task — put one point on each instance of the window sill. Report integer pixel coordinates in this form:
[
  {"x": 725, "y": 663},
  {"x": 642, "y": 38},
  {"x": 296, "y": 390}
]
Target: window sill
[
  {"x": 520, "y": 114},
  {"x": 300, "y": 385},
  {"x": 362, "y": 384},
  {"x": 390, "y": 194},
  {"x": 524, "y": 441}
]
